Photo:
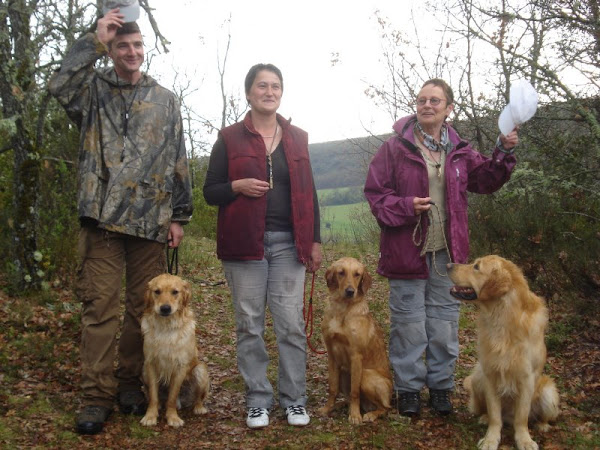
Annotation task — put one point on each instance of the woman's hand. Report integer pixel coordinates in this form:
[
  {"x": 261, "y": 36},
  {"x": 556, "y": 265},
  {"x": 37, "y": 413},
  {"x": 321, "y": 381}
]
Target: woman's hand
[
  {"x": 510, "y": 141},
  {"x": 315, "y": 258},
  {"x": 250, "y": 187},
  {"x": 421, "y": 204}
]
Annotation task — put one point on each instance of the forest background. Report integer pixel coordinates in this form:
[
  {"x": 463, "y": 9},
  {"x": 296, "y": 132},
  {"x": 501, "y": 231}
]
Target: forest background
[{"x": 546, "y": 219}]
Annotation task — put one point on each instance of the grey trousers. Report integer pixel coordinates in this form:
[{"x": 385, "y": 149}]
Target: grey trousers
[
  {"x": 424, "y": 320},
  {"x": 276, "y": 281}
]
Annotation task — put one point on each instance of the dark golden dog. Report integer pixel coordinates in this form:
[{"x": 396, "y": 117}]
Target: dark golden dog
[
  {"x": 507, "y": 385},
  {"x": 358, "y": 363},
  {"x": 170, "y": 350}
]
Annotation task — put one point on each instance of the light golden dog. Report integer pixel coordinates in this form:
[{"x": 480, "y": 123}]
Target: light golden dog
[
  {"x": 170, "y": 350},
  {"x": 507, "y": 385},
  {"x": 358, "y": 363}
]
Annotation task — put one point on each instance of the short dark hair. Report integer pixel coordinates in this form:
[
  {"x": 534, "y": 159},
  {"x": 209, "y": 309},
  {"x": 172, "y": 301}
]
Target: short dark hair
[
  {"x": 251, "y": 75},
  {"x": 445, "y": 87},
  {"x": 128, "y": 28}
]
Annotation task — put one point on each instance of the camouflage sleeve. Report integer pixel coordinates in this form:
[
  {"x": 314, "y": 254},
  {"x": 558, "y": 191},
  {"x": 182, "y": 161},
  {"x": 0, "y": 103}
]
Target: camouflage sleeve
[
  {"x": 70, "y": 84},
  {"x": 182, "y": 190}
]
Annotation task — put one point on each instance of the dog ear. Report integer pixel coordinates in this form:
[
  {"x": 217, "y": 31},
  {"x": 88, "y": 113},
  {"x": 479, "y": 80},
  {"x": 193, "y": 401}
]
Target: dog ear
[
  {"x": 498, "y": 284},
  {"x": 365, "y": 282},
  {"x": 331, "y": 278},
  {"x": 148, "y": 301},
  {"x": 186, "y": 293}
]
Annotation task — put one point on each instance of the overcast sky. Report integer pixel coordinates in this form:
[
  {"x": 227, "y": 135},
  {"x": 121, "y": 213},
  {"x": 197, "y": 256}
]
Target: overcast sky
[{"x": 299, "y": 37}]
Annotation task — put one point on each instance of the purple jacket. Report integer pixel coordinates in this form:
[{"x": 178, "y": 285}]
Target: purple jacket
[{"x": 398, "y": 173}]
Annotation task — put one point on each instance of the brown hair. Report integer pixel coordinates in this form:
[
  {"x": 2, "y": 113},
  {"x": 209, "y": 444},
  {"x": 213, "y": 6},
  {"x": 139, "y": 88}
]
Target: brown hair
[
  {"x": 445, "y": 87},
  {"x": 128, "y": 28}
]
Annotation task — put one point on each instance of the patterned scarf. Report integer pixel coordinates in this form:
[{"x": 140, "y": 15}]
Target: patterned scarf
[{"x": 428, "y": 141}]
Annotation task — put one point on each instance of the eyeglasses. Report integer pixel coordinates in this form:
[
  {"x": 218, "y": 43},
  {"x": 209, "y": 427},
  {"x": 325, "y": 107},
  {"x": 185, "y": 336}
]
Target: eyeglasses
[{"x": 433, "y": 101}]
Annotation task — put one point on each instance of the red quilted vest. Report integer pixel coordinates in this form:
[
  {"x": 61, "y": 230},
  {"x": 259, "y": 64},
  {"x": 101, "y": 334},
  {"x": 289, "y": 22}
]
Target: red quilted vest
[{"x": 241, "y": 223}]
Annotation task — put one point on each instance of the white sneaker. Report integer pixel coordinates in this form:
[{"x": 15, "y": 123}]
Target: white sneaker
[
  {"x": 257, "y": 417},
  {"x": 297, "y": 415}
]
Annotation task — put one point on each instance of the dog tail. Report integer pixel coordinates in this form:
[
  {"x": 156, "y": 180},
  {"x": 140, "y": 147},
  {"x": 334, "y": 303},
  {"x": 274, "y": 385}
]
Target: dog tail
[{"x": 545, "y": 405}]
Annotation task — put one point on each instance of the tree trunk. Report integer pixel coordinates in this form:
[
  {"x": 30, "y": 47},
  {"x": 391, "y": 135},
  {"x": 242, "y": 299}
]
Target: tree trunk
[{"x": 26, "y": 182}]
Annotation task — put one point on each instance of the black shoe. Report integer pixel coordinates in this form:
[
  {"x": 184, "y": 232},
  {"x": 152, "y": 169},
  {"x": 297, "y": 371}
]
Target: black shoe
[
  {"x": 409, "y": 403},
  {"x": 439, "y": 400},
  {"x": 90, "y": 419},
  {"x": 133, "y": 402}
]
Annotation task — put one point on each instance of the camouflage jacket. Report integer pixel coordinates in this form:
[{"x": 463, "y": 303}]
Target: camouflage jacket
[{"x": 135, "y": 185}]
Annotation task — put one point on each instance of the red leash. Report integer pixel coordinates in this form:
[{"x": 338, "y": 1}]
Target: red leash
[{"x": 308, "y": 316}]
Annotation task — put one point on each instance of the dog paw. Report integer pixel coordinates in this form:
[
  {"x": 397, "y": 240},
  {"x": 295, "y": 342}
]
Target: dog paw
[
  {"x": 369, "y": 417},
  {"x": 543, "y": 427},
  {"x": 324, "y": 411},
  {"x": 488, "y": 443},
  {"x": 175, "y": 421},
  {"x": 355, "y": 419},
  {"x": 148, "y": 420},
  {"x": 526, "y": 443},
  {"x": 200, "y": 410}
]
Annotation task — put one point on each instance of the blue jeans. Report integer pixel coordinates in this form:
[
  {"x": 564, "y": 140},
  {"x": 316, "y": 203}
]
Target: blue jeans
[
  {"x": 424, "y": 319},
  {"x": 276, "y": 281}
]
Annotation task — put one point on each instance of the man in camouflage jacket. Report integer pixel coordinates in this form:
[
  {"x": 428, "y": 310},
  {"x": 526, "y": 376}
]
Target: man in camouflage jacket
[{"x": 134, "y": 196}]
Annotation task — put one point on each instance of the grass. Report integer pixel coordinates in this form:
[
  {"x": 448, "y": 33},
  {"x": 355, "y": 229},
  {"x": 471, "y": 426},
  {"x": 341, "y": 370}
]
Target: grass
[{"x": 39, "y": 395}]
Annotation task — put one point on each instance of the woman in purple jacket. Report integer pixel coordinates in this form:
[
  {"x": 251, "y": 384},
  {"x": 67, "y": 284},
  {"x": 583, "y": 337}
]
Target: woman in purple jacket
[{"x": 417, "y": 190}]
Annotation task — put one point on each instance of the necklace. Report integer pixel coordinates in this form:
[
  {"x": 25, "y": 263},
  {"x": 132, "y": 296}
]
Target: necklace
[
  {"x": 269, "y": 155},
  {"x": 126, "y": 113},
  {"x": 431, "y": 160}
]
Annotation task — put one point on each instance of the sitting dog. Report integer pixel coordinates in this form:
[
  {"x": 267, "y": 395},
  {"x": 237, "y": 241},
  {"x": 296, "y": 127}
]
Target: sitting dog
[
  {"x": 170, "y": 350},
  {"x": 358, "y": 363},
  {"x": 507, "y": 384}
]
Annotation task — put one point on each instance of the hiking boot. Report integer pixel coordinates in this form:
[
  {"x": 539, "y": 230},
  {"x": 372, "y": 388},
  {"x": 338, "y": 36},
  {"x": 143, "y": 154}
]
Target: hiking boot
[
  {"x": 297, "y": 415},
  {"x": 257, "y": 417},
  {"x": 439, "y": 400},
  {"x": 133, "y": 402},
  {"x": 409, "y": 403},
  {"x": 90, "y": 419}
]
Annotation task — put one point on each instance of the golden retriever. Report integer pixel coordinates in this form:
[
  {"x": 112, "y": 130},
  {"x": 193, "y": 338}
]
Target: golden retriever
[
  {"x": 507, "y": 385},
  {"x": 170, "y": 350},
  {"x": 358, "y": 363}
]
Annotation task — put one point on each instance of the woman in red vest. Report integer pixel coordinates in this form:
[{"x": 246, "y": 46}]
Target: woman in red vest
[{"x": 268, "y": 235}]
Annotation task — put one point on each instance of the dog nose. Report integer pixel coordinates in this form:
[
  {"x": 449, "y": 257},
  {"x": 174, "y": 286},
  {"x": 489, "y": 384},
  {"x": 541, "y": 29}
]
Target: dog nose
[
  {"x": 349, "y": 292},
  {"x": 165, "y": 310}
]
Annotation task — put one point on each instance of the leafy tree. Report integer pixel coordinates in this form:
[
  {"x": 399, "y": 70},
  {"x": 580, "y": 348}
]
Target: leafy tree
[
  {"x": 34, "y": 35},
  {"x": 540, "y": 217}
]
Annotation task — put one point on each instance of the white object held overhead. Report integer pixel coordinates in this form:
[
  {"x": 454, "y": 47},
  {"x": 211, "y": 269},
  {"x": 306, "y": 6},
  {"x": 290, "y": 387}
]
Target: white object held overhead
[
  {"x": 129, "y": 8},
  {"x": 521, "y": 107}
]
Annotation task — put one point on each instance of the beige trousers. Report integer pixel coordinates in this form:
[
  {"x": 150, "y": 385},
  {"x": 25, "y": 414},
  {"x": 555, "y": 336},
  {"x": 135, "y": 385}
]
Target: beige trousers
[{"x": 104, "y": 256}]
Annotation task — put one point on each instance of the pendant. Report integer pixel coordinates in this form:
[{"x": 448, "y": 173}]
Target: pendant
[
  {"x": 439, "y": 170},
  {"x": 270, "y": 172}
]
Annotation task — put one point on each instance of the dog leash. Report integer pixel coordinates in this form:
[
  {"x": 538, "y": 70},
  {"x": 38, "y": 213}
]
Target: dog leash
[
  {"x": 428, "y": 236},
  {"x": 308, "y": 316},
  {"x": 173, "y": 260}
]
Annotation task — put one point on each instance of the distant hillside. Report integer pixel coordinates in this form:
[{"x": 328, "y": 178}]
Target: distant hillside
[{"x": 343, "y": 163}]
